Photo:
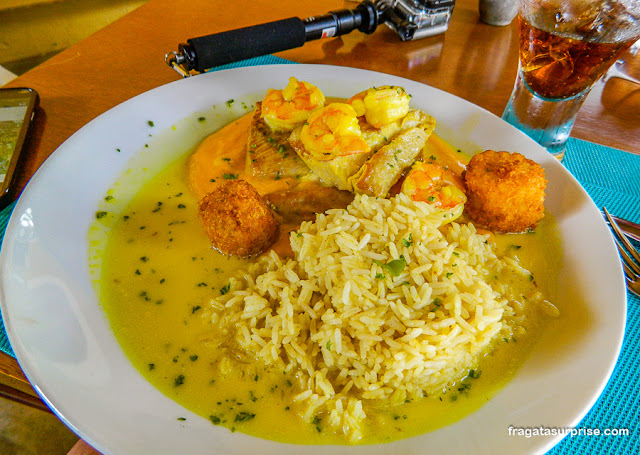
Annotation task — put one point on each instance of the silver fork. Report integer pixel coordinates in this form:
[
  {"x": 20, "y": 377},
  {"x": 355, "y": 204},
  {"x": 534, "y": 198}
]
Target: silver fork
[{"x": 629, "y": 255}]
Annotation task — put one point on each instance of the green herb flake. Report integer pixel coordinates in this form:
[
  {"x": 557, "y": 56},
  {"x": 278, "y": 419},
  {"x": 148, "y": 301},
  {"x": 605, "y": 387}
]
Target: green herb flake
[
  {"x": 150, "y": 123},
  {"x": 230, "y": 102},
  {"x": 328, "y": 345},
  {"x": 225, "y": 288},
  {"x": 408, "y": 242},
  {"x": 202, "y": 119},
  {"x": 178, "y": 381},
  {"x": 195, "y": 308},
  {"x": 182, "y": 419},
  {"x": 243, "y": 416},
  {"x": 464, "y": 387},
  {"x": 379, "y": 276},
  {"x": 215, "y": 419},
  {"x": 475, "y": 374},
  {"x": 229, "y": 176},
  {"x": 394, "y": 267},
  {"x": 152, "y": 366},
  {"x": 101, "y": 214}
]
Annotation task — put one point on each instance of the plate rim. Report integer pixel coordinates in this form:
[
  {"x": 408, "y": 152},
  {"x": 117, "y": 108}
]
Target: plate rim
[{"x": 21, "y": 207}]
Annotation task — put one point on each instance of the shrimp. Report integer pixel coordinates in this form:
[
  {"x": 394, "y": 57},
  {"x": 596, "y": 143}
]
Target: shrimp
[
  {"x": 436, "y": 185},
  {"x": 284, "y": 110},
  {"x": 333, "y": 131},
  {"x": 381, "y": 105}
]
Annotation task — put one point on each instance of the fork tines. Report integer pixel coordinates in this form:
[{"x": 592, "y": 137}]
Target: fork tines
[{"x": 630, "y": 256}]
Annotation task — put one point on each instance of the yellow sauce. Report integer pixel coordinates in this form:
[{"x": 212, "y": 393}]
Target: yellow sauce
[{"x": 158, "y": 272}]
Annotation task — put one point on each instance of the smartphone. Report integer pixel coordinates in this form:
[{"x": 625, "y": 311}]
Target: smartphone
[{"x": 17, "y": 110}]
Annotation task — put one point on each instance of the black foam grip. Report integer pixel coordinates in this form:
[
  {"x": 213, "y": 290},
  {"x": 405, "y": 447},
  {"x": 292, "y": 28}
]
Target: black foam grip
[{"x": 248, "y": 42}]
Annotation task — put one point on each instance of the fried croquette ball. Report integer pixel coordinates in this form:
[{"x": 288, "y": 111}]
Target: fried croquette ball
[
  {"x": 237, "y": 220},
  {"x": 505, "y": 191}
]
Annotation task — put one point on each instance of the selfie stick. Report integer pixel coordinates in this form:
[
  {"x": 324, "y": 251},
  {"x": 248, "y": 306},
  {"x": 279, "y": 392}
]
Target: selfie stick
[{"x": 200, "y": 54}]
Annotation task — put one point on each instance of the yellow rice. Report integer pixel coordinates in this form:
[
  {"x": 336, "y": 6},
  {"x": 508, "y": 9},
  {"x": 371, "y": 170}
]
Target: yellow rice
[{"x": 349, "y": 329}]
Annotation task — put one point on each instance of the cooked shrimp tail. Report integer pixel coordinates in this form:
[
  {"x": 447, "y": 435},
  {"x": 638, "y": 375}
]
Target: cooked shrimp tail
[
  {"x": 381, "y": 105},
  {"x": 333, "y": 131},
  {"x": 435, "y": 185},
  {"x": 284, "y": 110}
]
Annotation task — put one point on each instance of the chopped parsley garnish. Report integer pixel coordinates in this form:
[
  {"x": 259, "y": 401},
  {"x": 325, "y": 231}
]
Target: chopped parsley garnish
[
  {"x": 229, "y": 176},
  {"x": 394, "y": 267},
  {"x": 150, "y": 123},
  {"x": 215, "y": 419},
  {"x": 243, "y": 416},
  {"x": 408, "y": 242},
  {"x": 225, "y": 288},
  {"x": 101, "y": 214},
  {"x": 179, "y": 380},
  {"x": 473, "y": 374}
]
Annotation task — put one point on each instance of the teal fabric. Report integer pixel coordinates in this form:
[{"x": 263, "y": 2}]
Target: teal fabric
[
  {"x": 4, "y": 219},
  {"x": 612, "y": 179}
]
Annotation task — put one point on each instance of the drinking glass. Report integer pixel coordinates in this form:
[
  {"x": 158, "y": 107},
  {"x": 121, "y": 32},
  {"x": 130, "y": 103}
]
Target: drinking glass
[{"x": 565, "y": 47}]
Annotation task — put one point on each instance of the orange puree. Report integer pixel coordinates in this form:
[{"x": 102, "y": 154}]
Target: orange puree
[{"x": 221, "y": 157}]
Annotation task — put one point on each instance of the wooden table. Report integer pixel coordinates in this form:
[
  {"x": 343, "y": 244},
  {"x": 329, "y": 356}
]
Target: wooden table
[{"x": 472, "y": 60}]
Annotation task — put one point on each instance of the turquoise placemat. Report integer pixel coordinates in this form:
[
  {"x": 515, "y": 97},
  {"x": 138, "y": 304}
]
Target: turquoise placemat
[{"x": 612, "y": 178}]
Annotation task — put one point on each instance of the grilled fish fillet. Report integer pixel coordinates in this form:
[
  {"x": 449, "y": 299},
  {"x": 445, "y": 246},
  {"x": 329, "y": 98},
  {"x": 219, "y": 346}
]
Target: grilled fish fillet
[
  {"x": 385, "y": 167},
  {"x": 269, "y": 153}
]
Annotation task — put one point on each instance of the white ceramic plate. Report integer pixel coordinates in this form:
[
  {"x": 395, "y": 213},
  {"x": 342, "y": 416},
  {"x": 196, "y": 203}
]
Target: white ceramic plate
[{"x": 64, "y": 344}]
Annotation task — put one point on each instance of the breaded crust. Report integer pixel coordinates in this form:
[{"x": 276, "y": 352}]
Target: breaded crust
[
  {"x": 237, "y": 220},
  {"x": 505, "y": 191}
]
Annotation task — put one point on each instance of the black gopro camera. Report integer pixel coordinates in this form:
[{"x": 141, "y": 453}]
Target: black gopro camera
[{"x": 415, "y": 19}]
